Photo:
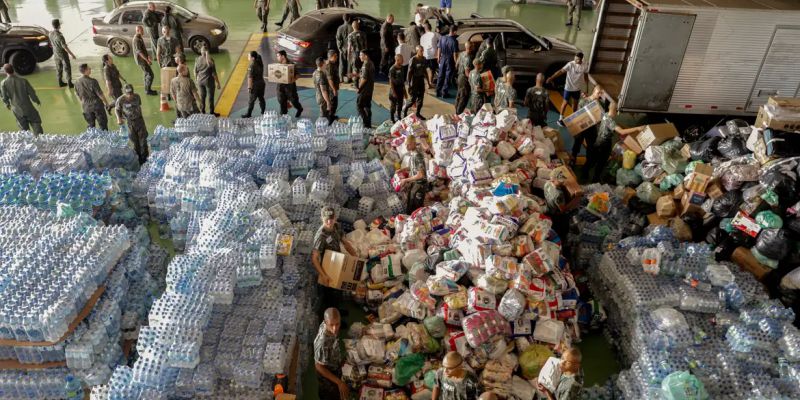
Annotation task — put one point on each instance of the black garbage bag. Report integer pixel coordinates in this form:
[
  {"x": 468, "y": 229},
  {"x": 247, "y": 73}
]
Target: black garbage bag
[
  {"x": 637, "y": 205},
  {"x": 727, "y": 205},
  {"x": 741, "y": 239},
  {"x": 716, "y": 236},
  {"x": 792, "y": 226},
  {"x": 773, "y": 243},
  {"x": 692, "y": 134},
  {"x": 781, "y": 178},
  {"x": 704, "y": 150},
  {"x": 732, "y": 147},
  {"x": 695, "y": 224}
]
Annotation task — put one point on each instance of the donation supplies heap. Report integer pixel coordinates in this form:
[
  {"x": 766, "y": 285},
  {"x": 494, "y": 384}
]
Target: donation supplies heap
[
  {"x": 691, "y": 328},
  {"x": 481, "y": 274},
  {"x": 73, "y": 291},
  {"x": 243, "y": 198}
]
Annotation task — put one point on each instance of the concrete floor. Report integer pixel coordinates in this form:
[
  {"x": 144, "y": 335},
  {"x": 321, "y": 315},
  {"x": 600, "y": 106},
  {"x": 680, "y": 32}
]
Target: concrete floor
[{"x": 60, "y": 108}]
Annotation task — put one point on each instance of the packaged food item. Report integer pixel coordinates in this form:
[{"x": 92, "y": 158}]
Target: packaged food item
[
  {"x": 482, "y": 326},
  {"x": 480, "y": 300},
  {"x": 512, "y": 305}
]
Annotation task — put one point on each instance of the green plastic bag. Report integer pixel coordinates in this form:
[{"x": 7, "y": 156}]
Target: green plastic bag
[
  {"x": 532, "y": 360},
  {"x": 726, "y": 224},
  {"x": 435, "y": 326},
  {"x": 430, "y": 379},
  {"x": 670, "y": 181},
  {"x": 770, "y": 197},
  {"x": 682, "y": 385},
  {"x": 406, "y": 367},
  {"x": 384, "y": 128},
  {"x": 768, "y": 219},
  {"x": 691, "y": 166}
]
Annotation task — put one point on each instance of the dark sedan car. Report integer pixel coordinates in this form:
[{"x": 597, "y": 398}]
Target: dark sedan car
[
  {"x": 313, "y": 34},
  {"x": 23, "y": 46}
]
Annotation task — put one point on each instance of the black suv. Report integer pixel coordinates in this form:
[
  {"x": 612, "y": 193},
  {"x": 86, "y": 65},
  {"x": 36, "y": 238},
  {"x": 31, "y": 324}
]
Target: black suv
[{"x": 23, "y": 46}]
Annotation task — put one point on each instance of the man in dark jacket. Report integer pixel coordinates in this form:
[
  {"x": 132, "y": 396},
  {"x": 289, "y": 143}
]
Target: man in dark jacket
[
  {"x": 365, "y": 87},
  {"x": 417, "y": 74},
  {"x": 388, "y": 44},
  {"x": 341, "y": 43},
  {"x": 151, "y": 21}
]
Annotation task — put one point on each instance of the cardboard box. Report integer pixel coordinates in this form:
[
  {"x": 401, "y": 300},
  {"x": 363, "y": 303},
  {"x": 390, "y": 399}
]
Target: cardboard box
[
  {"x": 584, "y": 118},
  {"x": 632, "y": 143},
  {"x": 714, "y": 190},
  {"x": 678, "y": 192},
  {"x": 555, "y": 136},
  {"x": 746, "y": 261},
  {"x": 689, "y": 197},
  {"x": 655, "y": 134},
  {"x": 280, "y": 73},
  {"x": 781, "y": 113},
  {"x": 629, "y": 194},
  {"x": 285, "y": 396},
  {"x": 700, "y": 178},
  {"x": 665, "y": 206},
  {"x": 345, "y": 271},
  {"x": 167, "y": 73},
  {"x": 654, "y": 219},
  {"x": 686, "y": 151}
]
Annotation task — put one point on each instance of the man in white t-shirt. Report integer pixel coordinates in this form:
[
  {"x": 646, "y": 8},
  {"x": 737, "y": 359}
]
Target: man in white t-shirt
[
  {"x": 404, "y": 49},
  {"x": 423, "y": 13},
  {"x": 575, "y": 71},
  {"x": 429, "y": 42}
]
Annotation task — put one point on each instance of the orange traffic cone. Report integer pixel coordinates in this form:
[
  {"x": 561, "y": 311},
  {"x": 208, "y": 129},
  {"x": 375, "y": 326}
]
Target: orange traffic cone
[{"x": 164, "y": 103}]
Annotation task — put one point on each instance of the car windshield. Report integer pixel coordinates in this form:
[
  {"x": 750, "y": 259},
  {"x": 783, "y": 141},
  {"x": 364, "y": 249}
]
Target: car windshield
[
  {"x": 183, "y": 12},
  {"x": 4, "y": 27}
]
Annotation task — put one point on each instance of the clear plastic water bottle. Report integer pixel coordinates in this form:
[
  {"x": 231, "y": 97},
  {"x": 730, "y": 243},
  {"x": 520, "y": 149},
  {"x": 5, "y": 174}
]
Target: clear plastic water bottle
[{"x": 73, "y": 388}]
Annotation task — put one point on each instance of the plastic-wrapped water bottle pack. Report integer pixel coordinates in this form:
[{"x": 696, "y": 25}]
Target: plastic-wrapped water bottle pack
[{"x": 692, "y": 314}]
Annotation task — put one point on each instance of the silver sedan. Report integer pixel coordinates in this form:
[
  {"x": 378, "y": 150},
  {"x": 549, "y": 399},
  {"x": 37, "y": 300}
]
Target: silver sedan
[{"x": 117, "y": 28}]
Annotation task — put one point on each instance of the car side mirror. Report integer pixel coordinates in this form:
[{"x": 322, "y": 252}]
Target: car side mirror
[{"x": 537, "y": 49}]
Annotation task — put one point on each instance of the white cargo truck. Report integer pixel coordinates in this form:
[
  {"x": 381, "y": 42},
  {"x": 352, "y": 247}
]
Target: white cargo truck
[{"x": 697, "y": 56}]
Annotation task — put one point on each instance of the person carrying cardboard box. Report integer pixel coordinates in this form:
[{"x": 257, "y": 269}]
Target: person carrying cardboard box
[
  {"x": 598, "y": 152},
  {"x": 570, "y": 383},
  {"x": 328, "y": 237}
]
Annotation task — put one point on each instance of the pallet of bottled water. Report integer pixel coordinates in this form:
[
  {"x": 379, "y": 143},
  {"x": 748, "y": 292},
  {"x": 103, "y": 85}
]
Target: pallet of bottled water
[{"x": 672, "y": 308}]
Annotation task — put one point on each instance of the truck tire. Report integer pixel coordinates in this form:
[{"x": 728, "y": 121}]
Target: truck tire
[
  {"x": 24, "y": 62},
  {"x": 119, "y": 47}
]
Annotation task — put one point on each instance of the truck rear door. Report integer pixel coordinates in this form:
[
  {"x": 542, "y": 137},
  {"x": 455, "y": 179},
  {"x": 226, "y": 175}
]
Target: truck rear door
[
  {"x": 779, "y": 74},
  {"x": 655, "y": 61}
]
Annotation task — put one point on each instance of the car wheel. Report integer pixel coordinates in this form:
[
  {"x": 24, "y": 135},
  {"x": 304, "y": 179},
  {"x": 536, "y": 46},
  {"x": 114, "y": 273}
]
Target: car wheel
[
  {"x": 119, "y": 47},
  {"x": 24, "y": 62},
  {"x": 519, "y": 1},
  {"x": 197, "y": 44}
]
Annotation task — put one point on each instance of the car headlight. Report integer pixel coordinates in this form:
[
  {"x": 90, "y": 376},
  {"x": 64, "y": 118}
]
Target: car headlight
[
  {"x": 216, "y": 31},
  {"x": 44, "y": 44}
]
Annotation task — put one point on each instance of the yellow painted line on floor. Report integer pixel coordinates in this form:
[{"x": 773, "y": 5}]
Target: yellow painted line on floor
[
  {"x": 557, "y": 100},
  {"x": 238, "y": 76}
]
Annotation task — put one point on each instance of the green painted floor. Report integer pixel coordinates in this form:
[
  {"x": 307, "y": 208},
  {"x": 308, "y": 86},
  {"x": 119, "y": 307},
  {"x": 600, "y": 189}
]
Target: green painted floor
[{"x": 60, "y": 109}]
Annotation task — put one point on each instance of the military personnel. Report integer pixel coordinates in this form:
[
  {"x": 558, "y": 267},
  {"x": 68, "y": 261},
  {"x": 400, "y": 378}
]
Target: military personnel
[
  {"x": 93, "y": 101},
  {"x": 151, "y": 21},
  {"x": 184, "y": 92},
  {"x": 412, "y": 35},
  {"x": 505, "y": 94},
  {"x": 416, "y": 185},
  {"x": 464, "y": 90},
  {"x": 388, "y": 44},
  {"x": 129, "y": 110},
  {"x": 287, "y": 92},
  {"x": 446, "y": 53},
  {"x": 61, "y": 54},
  {"x": 465, "y": 57},
  {"x": 417, "y": 73},
  {"x": 166, "y": 49},
  {"x": 292, "y": 7},
  {"x": 112, "y": 77},
  {"x": 262, "y": 10},
  {"x": 19, "y": 96},
  {"x": 488, "y": 57},
  {"x": 365, "y": 89},
  {"x": 341, "y": 43},
  {"x": 255, "y": 84},
  {"x": 477, "y": 91},
  {"x": 356, "y": 41},
  {"x": 570, "y": 384},
  {"x": 397, "y": 88},
  {"x": 574, "y": 10},
  {"x": 323, "y": 91},
  {"x": 332, "y": 72},
  {"x": 205, "y": 71},
  {"x": 329, "y": 236},
  {"x": 453, "y": 381},
  {"x": 143, "y": 60},
  {"x": 328, "y": 358},
  {"x": 589, "y": 135},
  {"x": 175, "y": 26},
  {"x": 4, "y": 17},
  {"x": 538, "y": 102}
]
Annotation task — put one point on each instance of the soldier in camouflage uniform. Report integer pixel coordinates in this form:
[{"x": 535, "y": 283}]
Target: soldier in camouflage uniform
[
  {"x": 505, "y": 95},
  {"x": 538, "y": 102},
  {"x": 477, "y": 91},
  {"x": 184, "y": 91},
  {"x": 329, "y": 357},
  {"x": 129, "y": 110},
  {"x": 416, "y": 185},
  {"x": 93, "y": 101},
  {"x": 292, "y": 7},
  {"x": 175, "y": 27},
  {"x": 453, "y": 382},
  {"x": 166, "y": 49},
  {"x": 152, "y": 21},
  {"x": 323, "y": 91},
  {"x": 356, "y": 41},
  {"x": 143, "y": 60},
  {"x": 332, "y": 72},
  {"x": 61, "y": 54},
  {"x": 287, "y": 92},
  {"x": 397, "y": 88},
  {"x": 19, "y": 96},
  {"x": 341, "y": 43},
  {"x": 365, "y": 89}
]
